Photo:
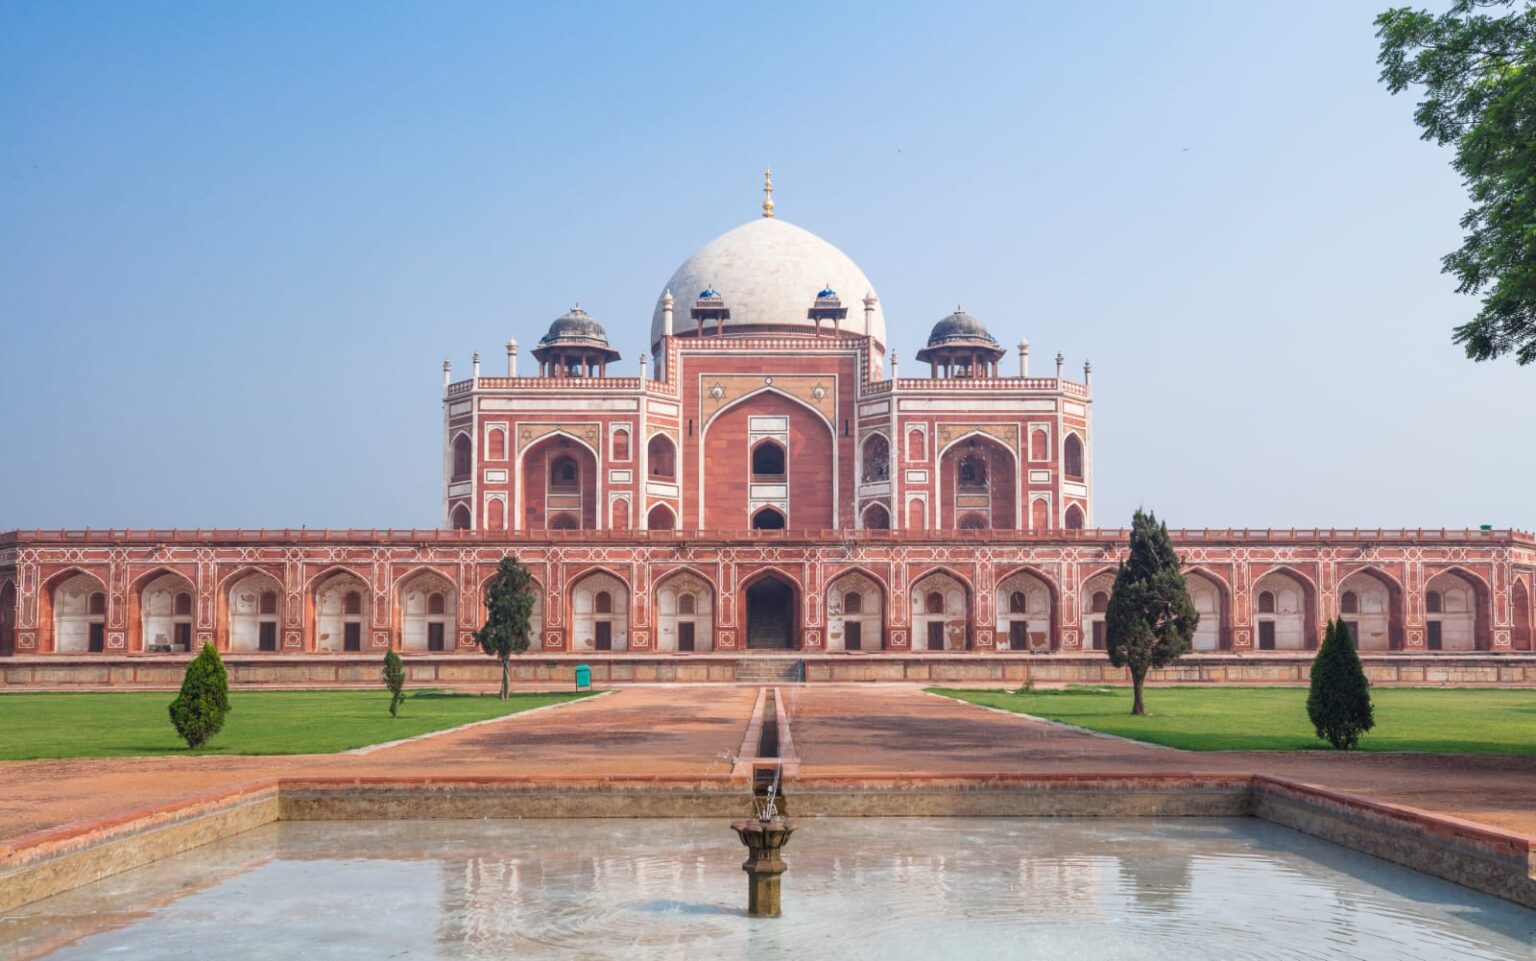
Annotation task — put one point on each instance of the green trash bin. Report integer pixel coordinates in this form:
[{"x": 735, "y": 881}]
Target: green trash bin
[{"x": 583, "y": 676}]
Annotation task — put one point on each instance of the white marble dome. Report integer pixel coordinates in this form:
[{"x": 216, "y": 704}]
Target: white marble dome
[{"x": 768, "y": 272}]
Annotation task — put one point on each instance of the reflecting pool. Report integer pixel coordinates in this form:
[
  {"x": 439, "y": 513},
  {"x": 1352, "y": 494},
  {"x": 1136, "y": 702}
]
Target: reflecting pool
[{"x": 888, "y": 889}]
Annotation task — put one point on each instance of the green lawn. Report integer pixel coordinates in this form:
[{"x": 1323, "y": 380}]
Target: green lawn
[
  {"x": 118, "y": 724},
  {"x": 1275, "y": 719}
]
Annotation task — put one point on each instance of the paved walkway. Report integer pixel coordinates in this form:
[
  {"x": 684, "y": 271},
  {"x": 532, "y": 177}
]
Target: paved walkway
[{"x": 690, "y": 730}]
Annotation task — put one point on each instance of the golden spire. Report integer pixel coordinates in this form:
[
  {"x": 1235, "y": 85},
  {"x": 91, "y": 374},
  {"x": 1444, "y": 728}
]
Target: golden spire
[{"x": 768, "y": 192}]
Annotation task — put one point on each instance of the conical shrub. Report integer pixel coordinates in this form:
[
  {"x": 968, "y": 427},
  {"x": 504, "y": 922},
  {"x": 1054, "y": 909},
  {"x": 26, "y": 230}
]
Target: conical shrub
[
  {"x": 198, "y": 711},
  {"x": 1340, "y": 700}
]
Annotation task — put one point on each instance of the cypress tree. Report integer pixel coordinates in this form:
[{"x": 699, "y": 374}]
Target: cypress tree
[
  {"x": 1339, "y": 703},
  {"x": 1150, "y": 621},
  {"x": 394, "y": 679},
  {"x": 198, "y": 711},
  {"x": 508, "y": 607}
]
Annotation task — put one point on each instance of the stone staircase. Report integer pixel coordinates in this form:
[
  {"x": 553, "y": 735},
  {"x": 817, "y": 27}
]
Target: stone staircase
[{"x": 770, "y": 670}]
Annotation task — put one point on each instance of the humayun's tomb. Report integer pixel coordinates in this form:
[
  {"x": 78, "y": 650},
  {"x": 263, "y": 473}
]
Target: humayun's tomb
[{"x": 765, "y": 481}]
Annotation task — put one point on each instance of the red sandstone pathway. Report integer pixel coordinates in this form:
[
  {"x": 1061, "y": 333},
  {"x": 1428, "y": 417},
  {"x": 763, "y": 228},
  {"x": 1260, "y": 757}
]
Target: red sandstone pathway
[
  {"x": 684, "y": 730},
  {"x": 889, "y": 729}
]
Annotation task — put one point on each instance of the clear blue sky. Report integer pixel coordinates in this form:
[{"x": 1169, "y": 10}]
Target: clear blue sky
[{"x": 238, "y": 240}]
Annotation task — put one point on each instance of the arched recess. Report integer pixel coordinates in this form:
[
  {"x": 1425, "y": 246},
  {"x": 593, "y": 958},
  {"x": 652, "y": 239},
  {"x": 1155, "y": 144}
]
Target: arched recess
[
  {"x": 917, "y": 514},
  {"x": 1095, "y": 604},
  {"x": 661, "y": 518},
  {"x": 1040, "y": 514},
  {"x": 875, "y": 459},
  {"x": 463, "y": 456},
  {"x": 685, "y": 613},
  {"x": 341, "y": 602},
  {"x": 1074, "y": 519},
  {"x": 1039, "y": 445},
  {"x": 855, "y": 612},
  {"x": 618, "y": 514},
  {"x": 1285, "y": 611},
  {"x": 1209, "y": 595},
  {"x": 599, "y": 612},
  {"x": 1072, "y": 457},
  {"x": 75, "y": 613},
  {"x": 495, "y": 514},
  {"x": 737, "y": 435},
  {"x": 661, "y": 458},
  {"x": 426, "y": 611},
  {"x": 941, "y": 612},
  {"x": 978, "y": 475},
  {"x": 7, "y": 618},
  {"x": 768, "y": 519},
  {"x": 875, "y": 517},
  {"x": 1371, "y": 603},
  {"x": 459, "y": 518},
  {"x": 254, "y": 612},
  {"x": 162, "y": 608},
  {"x": 771, "y": 611},
  {"x": 559, "y": 482},
  {"x": 917, "y": 446},
  {"x": 1026, "y": 612},
  {"x": 1456, "y": 611},
  {"x": 620, "y": 444},
  {"x": 1519, "y": 599},
  {"x": 496, "y": 444}
]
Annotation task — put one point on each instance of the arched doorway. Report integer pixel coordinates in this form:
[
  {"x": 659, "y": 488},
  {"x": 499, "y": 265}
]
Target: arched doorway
[
  {"x": 1453, "y": 613},
  {"x": 661, "y": 518},
  {"x": 79, "y": 604},
  {"x": 768, "y": 519},
  {"x": 1371, "y": 607},
  {"x": 600, "y": 613},
  {"x": 685, "y": 614},
  {"x": 1207, "y": 596},
  {"x": 1282, "y": 613},
  {"x": 855, "y": 613},
  {"x": 876, "y": 517},
  {"x": 341, "y": 613},
  {"x": 1025, "y": 614},
  {"x": 428, "y": 609},
  {"x": 1519, "y": 599},
  {"x": 977, "y": 477},
  {"x": 559, "y": 478},
  {"x": 1095, "y": 595},
  {"x": 772, "y": 614},
  {"x": 255, "y": 611},
  {"x": 940, "y": 614},
  {"x": 165, "y": 614}
]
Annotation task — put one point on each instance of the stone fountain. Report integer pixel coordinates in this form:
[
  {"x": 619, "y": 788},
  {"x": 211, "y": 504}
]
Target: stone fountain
[{"x": 764, "y": 834}]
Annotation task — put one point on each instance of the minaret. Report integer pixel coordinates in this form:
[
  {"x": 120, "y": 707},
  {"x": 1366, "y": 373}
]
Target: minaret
[
  {"x": 1059, "y": 361},
  {"x": 475, "y": 365},
  {"x": 870, "y": 300},
  {"x": 512, "y": 358},
  {"x": 1087, "y": 373},
  {"x": 1023, "y": 357},
  {"x": 768, "y": 192},
  {"x": 666, "y": 312},
  {"x": 447, "y": 373}
]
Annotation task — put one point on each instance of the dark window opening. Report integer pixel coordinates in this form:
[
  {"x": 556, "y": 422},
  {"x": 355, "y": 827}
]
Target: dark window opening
[
  {"x": 768, "y": 519},
  {"x": 768, "y": 461}
]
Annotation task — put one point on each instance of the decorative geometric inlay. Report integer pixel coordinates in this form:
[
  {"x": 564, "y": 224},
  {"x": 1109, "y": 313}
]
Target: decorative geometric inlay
[
  {"x": 810, "y": 388},
  {"x": 1007, "y": 433},
  {"x": 529, "y": 433}
]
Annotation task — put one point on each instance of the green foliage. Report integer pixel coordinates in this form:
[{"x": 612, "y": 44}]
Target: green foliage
[
  {"x": 198, "y": 711},
  {"x": 394, "y": 679},
  {"x": 1339, "y": 704},
  {"x": 508, "y": 608},
  {"x": 1150, "y": 620},
  {"x": 1477, "y": 66}
]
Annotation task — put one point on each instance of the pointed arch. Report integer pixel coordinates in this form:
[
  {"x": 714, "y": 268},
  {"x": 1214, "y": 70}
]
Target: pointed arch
[
  {"x": 661, "y": 518},
  {"x": 875, "y": 517},
  {"x": 856, "y": 605},
  {"x": 535, "y": 617},
  {"x": 537, "y": 502},
  {"x": 1093, "y": 599},
  {"x": 1520, "y": 638},
  {"x": 341, "y": 600},
  {"x": 1212, "y": 597},
  {"x": 771, "y": 605},
  {"x": 766, "y": 389},
  {"x": 1027, "y": 607},
  {"x": 1073, "y": 457},
  {"x": 1466, "y": 610},
  {"x": 941, "y": 601},
  {"x": 1292, "y": 620},
  {"x": 462, "y": 448},
  {"x": 426, "y": 606},
  {"x": 875, "y": 458},
  {"x": 1376, "y": 623},
  {"x": 8, "y": 596},
  {"x": 661, "y": 456},
  {"x": 996, "y": 495},
  {"x": 685, "y": 604},
  {"x": 74, "y": 609},
  {"x": 159, "y": 617},
  {"x": 251, "y": 602},
  {"x": 599, "y": 602}
]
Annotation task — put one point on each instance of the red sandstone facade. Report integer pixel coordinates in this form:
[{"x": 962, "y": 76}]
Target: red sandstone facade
[{"x": 763, "y": 485}]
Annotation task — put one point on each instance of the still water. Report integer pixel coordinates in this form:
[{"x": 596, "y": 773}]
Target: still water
[{"x": 888, "y": 889}]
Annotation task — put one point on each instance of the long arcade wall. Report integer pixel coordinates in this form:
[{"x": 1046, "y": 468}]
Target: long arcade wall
[{"x": 126, "y": 592}]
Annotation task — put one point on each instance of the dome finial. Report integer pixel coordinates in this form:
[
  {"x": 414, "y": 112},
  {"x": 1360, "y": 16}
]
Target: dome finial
[{"x": 768, "y": 192}]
